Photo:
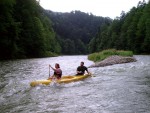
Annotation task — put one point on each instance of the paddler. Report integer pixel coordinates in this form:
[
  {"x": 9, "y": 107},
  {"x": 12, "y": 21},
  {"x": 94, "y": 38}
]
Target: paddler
[
  {"x": 81, "y": 69},
  {"x": 57, "y": 72}
]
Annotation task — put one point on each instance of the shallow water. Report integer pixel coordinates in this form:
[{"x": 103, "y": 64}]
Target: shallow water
[{"x": 121, "y": 88}]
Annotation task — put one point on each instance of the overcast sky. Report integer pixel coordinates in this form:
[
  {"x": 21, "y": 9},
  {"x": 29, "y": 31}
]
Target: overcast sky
[{"x": 105, "y": 8}]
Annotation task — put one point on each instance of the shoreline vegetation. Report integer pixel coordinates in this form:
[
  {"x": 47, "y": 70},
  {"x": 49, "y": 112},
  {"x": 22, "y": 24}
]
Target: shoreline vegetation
[
  {"x": 111, "y": 57},
  {"x": 50, "y": 54}
]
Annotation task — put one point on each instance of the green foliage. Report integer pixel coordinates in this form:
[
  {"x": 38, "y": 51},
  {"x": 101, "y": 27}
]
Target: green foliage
[
  {"x": 9, "y": 30},
  {"x": 50, "y": 54},
  {"x": 124, "y": 53},
  {"x": 25, "y": 30},
  {"x": 78, "y": 27},
  {"x": 99, "y": 56},
  {"x": 130, "y": 31}
]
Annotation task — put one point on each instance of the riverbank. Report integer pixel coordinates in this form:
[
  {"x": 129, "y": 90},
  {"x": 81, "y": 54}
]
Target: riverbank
[
  {"x": 99, "y": 56},
  {"x": 115, "y": 59}
]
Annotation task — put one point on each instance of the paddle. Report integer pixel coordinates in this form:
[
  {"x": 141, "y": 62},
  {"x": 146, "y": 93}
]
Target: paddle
[
  {"x": 49, "y": 70},
  {"x": 49, "y": 74}
]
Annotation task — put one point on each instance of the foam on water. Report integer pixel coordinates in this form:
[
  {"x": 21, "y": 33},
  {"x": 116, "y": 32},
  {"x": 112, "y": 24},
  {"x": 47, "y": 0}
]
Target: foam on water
[{"x": 121, "y": 88}]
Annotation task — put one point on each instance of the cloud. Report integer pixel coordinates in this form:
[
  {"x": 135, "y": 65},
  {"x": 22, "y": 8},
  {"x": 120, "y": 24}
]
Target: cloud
[{"x": 105, "y": 8}]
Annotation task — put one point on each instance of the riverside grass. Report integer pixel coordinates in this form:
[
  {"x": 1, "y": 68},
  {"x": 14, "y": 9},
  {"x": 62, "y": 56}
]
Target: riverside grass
[{"x": 99, "y": 56}]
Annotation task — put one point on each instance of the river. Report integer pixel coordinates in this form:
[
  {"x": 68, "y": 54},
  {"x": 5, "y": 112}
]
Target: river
[{"x": 121, "y": 88}]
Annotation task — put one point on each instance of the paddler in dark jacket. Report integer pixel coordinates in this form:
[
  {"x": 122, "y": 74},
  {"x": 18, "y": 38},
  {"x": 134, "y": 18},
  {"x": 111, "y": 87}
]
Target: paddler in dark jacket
[{"x": 81, "y": 69}]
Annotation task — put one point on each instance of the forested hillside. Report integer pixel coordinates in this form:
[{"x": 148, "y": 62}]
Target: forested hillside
[
  {"x": 75, "y": 30},
  {"x": 25, "y": 31},
  {"x": 129, "y": 32}
]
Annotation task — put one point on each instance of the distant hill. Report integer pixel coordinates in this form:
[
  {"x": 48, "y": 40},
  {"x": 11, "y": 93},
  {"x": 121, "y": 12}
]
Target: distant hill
[{"x": 74, "y": 30}]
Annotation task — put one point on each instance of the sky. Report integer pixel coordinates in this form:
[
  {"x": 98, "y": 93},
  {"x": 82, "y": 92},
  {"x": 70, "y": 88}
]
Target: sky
[{"x": 104, "y": 8}]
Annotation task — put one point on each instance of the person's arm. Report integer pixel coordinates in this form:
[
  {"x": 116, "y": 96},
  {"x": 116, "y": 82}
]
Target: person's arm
[
  {"x": 52, "y": 67},
  {"x": 87, "y": 70},
  {"x": 78, "y": 70}
]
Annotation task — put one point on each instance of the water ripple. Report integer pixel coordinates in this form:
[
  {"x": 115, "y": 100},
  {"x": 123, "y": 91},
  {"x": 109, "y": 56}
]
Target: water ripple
[{"x": 121, "y": 88}]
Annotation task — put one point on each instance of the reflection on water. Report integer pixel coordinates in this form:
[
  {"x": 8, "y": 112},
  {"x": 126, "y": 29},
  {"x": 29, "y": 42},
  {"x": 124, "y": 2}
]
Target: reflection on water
[{"x": 121, "y": 88}]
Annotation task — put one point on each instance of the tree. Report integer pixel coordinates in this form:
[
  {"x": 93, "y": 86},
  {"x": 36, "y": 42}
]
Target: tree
[
  {"x": 130, "y": 31},
  {"x": 9, "y": 30},
  {"x": 146, "y": 44},
  {"x": 68, "y": 47},
  {"x": 76, "y": 26},
  {"x": 25, "y": 31}
]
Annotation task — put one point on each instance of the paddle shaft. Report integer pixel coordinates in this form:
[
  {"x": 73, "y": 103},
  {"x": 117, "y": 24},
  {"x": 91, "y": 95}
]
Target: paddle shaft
[{"x": 49, "y": 71}]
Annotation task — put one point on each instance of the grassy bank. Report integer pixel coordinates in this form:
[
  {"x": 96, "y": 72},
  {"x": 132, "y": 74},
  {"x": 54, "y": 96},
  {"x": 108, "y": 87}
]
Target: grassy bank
[
  {"x": 50, "y": 54},
  {"x": 106, "y": 53}
]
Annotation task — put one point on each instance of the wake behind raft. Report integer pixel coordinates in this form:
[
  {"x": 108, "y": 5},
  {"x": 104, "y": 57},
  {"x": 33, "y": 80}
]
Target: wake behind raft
[{"x": 64, "y": 79}]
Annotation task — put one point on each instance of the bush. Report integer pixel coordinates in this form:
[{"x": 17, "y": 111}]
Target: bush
[
  {"x": 125, "y": 53},
  {"x": 50, "y": 54},
  {"x": 99, "y": 56}
]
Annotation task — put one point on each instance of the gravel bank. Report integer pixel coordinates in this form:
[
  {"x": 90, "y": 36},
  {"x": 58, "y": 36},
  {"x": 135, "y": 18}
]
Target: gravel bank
[{"x": 113, "y": 60}]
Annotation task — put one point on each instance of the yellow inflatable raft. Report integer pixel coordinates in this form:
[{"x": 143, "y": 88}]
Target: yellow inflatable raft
[{"x": 64, "y": 79}]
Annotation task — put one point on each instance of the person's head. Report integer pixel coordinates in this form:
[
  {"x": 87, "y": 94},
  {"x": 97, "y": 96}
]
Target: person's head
[
  {"x": 57, "y": 65},
  {"x": 82, "y": 64}
]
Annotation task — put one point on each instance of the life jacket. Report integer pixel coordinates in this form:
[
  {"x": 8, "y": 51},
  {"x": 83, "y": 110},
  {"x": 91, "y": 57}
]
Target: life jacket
[{"x": 58, "y": 73}]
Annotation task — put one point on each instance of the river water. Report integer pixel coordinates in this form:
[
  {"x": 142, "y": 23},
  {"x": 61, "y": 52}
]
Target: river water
[{"x": 121, "y": 88}]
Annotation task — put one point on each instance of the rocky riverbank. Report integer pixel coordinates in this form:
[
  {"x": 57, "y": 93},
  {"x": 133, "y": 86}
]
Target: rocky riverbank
[{"x": 113, "y": 60}]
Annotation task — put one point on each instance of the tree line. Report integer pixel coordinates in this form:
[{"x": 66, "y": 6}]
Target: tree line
[
  {"x": 130, "y": 31},
  {"x": 25, "y": 31},
  {"x": 74, "y": 30}
]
